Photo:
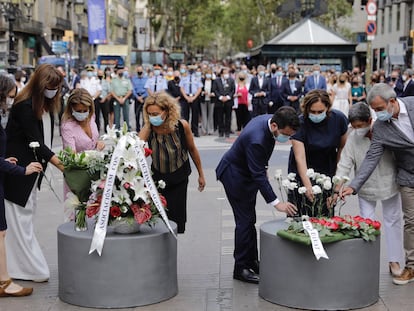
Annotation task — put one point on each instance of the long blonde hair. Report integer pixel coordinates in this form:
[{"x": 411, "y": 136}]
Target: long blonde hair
[{"x": 168, "y": 104}]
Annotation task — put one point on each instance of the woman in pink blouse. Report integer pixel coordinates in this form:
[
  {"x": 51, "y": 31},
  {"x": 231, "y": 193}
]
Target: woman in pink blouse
[
  {"x": 78, "y": 127},
  {"x": 242, "y": 96}
]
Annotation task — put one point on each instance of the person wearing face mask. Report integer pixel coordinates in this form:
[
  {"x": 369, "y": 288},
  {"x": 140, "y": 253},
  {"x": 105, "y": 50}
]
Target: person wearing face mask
[
  {"x": 357, "y": 91},
  {"x": 140, "y": 93},
  {"x": 341, "y": 93},
  {"x": 8, "y": 288},
  {"x": 191, "y": 87},
  {"x": 92, "y": 84},
  {"x": 18, "y": 77},
  {"x": 207, "y": 103},
  {"x": 407, "y": 77},
  {"x": 174, "y": 86},
  {"x": 260, "y": 90},
  {"x": 224, "y": 88},
  {"x": 380, "y": 186},
  {"x": 396, "y": 82},
  {"x": 79, "y": 131},
  {"x": 394, "y": 131},
  {"x": 241, "y": 101},
  {"x": 292, "y": 91},
  {"x": 277, "y": 84},
  {"x": 121, "y": 90},
  {"x": 317, "y": 144},
  {"x": 243, "y": 172},
  {"x": 316, "y": 81},
  {"x": 156, "y": 83},
  {"x": 172, "y": 143},
  {"x": 31, "y": 119}
]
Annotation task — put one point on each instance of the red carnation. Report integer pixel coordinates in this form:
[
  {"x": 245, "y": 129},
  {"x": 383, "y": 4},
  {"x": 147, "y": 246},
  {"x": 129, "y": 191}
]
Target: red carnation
[
  {"x": 92, "y": 209},
  {"x": 332, "y": 225},
  {"x": 127, "y": 185},
  {"x": 115, "y": 211},
  {"x": 143, "y": 215},
  {"x": 163, "y": 200},
  {"x": 134, "y": 208},
  {"x": 147, "y": 151},
  {"x": 376, "y": 225}
]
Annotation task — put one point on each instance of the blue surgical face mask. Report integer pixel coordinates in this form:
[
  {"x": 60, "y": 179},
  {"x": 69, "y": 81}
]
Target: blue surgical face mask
[
  {"x": 90, "y": 74},
  {"x": 208, "y": 76},
  {"x": 80, "y": 116},
  {"x": 279, "y": 73},
  {"x": 317, "y": 118},
  {"x": 281, "y": 138},
  {"x": 198, "y": 74},
  {"x": 362, "y": 131},
  {"x": 125, "y": 74},
  {"x": 261, "y": 73},
  {"x": 384, "y": 115},
  {"x": 156, "y": 120},
  {"x": 182, "y": 71},
  {"x": 316, "y": 73},
  {"x": 157, "y": 72}
]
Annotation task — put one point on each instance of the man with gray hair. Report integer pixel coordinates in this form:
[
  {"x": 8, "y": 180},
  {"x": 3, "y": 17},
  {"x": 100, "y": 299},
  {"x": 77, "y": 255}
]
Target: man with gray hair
[
  {"x": 407, "y": 77},
  {"x": 393, "y": 130}
]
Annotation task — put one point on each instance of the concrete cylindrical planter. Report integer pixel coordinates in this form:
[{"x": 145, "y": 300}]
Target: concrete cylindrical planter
[{"x": 291, "y": 276}]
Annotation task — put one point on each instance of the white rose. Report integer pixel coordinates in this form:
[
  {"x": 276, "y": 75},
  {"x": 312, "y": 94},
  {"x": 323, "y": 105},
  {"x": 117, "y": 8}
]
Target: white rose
[
  {"x": 291, "y": 176},
  {"x": 310, "y": 173},
  {"x": 292, "y": 186},
  {"x": 161, "y": 184},
  {"x": 316, "y": 189},
  {"x": 302, "y": 190},
  {"x": 336, "y": 179},
  {"x": 285, "y": 183},
  {"x": 327, "y": 185},
  {"x": 278, "y": 174}
]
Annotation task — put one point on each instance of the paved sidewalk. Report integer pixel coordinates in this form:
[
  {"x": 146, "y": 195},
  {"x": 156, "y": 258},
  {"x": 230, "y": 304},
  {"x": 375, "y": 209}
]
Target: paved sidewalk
[{"x": 205, "y": 259}]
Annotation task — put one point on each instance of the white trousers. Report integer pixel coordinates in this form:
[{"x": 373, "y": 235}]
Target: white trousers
[
  {"x": 392, "y": 224},
  {"x": 25, "y": 259}
]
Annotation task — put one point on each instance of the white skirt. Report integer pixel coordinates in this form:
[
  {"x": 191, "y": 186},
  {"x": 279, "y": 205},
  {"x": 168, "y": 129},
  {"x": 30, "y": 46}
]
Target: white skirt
[
  {"x": 25, "y": 259},
  {"x": 341, "y": 105}
]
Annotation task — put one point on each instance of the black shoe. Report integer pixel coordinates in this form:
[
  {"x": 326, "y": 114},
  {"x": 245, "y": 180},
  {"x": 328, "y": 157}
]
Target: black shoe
[
  {"x": 221, "y": 134},
  {"x": 227, "y": 135},
  {"x": 196, "y": 135},
  {"x": 256, "y": 267},
  {"x": 248, "y": 276}
]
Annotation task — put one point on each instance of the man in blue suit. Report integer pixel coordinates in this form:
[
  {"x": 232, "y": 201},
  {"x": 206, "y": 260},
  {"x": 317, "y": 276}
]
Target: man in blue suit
[
  {"x": 316, "y": 81},
  {"x": 243, "y": 172}
]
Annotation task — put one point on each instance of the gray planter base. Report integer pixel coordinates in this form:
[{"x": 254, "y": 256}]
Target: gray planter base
[
  {"x": 291, "y": 276},
  {"x": 134, "y": 269}
]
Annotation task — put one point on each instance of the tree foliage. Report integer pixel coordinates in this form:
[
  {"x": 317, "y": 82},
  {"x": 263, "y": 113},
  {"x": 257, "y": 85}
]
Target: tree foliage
[{"x": 227, "y": 25}]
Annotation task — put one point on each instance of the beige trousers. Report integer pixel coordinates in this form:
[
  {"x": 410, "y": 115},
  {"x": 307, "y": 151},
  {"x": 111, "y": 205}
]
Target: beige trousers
[{"x": 407, "y": 198}]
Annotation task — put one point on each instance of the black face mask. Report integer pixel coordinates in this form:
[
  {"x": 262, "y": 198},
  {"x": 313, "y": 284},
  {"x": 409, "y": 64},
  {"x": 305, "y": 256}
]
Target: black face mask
[
  {"x": 177, "y": 79},
  {"x": 100, "y": 77},
  {"x": 355, "y": 83},
  {"x": 273, "y": 70},
  {"x": 393, "y": 79},
  {"x": 191, "y": 71},
  {"x": 139, "y": 73},
  {"x": 241, "y": 79},
  {"x": 342, "y": 81},
  {"x": 120, "y": 75}
]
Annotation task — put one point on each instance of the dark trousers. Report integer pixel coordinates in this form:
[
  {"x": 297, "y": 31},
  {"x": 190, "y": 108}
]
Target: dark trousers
[
  {"x": 104, "y": 108},
  {"x": 259, "y": 106},
  {"x": 224, "y": 116},
  {"x": 241, "y": 193},
  {"x": 138, "y": 109},
  {"x": 176, "y": 196},
  {"x": 185, "y": 109},
  {"x": 195, "y": 115},
  {"x": 242, "y": 116}
]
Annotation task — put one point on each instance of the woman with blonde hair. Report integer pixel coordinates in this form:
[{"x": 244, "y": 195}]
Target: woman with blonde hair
[
  {"x": 29, "y": 139},
  {"x": 241, "y": 101},
  {"x": 341, "y": 92},
  {"x": 171, "y": 141}
]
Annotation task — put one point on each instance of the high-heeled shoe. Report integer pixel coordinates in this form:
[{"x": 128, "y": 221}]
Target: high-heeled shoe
[
  {"x": 25, "y": 291},
  {"x": 395, "y": 269}
]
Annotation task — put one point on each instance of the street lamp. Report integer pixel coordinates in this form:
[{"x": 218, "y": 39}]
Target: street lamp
[
  {"x": 11, "y": 11},
  {"x": 79, "y": 8}
]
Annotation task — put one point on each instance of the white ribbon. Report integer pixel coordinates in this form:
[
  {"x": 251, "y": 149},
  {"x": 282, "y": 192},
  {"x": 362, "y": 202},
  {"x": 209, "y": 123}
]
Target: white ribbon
[
  {"x": 149, "y": 182},
  {"x": 102, "y": 223},
  {"x": 317, "y": 246}
]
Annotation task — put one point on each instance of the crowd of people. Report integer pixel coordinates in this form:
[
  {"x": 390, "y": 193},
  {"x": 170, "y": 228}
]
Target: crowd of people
[{"x": 328, "y": 116}]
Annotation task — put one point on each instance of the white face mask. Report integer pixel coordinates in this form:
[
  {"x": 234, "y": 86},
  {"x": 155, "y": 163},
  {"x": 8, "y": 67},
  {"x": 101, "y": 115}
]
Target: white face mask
[
  {"x": 50, "y": 93},
  {"x": 361, "y": 132},
  {"x": 9, "y": 101},
  {"x": 23, "y": 79}
]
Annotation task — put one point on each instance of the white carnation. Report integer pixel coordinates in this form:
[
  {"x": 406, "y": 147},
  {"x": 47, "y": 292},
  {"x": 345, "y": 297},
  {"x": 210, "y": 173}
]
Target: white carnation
[
  {"x": 310, "y": 173},
  {"x": 316, "y": 189},
  {"x": 302, "y": 190},
  {"x": 291, "y": 176},
  {"x": 278, "y": 174}
]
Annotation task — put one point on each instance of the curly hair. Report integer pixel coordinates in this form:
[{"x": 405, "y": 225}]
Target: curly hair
[
  {"x": 313, "y": 97},
  {"x": 78, "y": 96},
  {"x": 168, "y": 104}
]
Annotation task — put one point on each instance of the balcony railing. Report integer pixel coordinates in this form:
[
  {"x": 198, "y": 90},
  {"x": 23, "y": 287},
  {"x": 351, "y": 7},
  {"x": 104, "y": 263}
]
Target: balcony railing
[
  {"x": 63, "y": 24},
  {"x": 28, "y": 26}
]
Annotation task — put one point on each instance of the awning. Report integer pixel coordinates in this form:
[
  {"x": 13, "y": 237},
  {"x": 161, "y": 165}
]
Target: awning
[
  {"x": 396, "y": 59},
  {"x": 114, "y": 50}
]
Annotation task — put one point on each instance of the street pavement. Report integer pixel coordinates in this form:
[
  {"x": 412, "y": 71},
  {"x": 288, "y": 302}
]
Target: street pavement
[{"x": 205, "y": 251}]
